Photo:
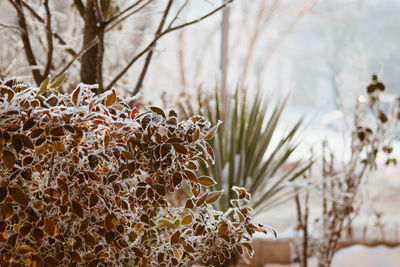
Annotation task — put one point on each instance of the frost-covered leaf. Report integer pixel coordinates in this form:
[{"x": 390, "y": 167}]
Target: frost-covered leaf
[
  {"x": 213, "y": 196},
  {"x": 206, "y": 181},
  {"x": 18, "y": 195}
]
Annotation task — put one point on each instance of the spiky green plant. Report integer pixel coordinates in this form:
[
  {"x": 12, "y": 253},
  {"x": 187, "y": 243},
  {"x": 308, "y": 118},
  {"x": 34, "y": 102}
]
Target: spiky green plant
[{"x": 245, "y": 154}]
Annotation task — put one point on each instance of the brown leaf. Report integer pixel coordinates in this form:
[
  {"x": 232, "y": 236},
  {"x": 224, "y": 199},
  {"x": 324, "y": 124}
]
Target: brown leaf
[
  {"x": 93, "y": 200},
  {"x": 201, "y": 200},
  {"x": 175, "y": 237},
  {"x": 191, "y": 176},
  {"x": 50, "y": 261},
  {"x": 13, "y": 127},
  {"x": 3, "y": 193},
  {"x": 222, "y": 229},
  {"x": 88, "y": 257},
  {"x": 177, "y": 179},
  {"x": 8, "y": 159},
  {"x": 213, "y": 196},
  {"x": 180, "y": 148},
  {"x": 75, "y": 96},
  {"x": 187, "y": 219},
  {"x": 36, "y": 133},
  {"x": 18, "y": 195},
  {"x": 210, "y": 134},
  {"x": 199, "y": 230},
  {"x": 157, "y": 110},
  {"x": 49, "y": 226},
  {"x": 89, "y": 240},
  {"x": 189, "y": 204},
  {"x": 28, "y": 124},
  {"x": 110, "y": 99},
  {"x": 58, "y": 131},
  {"x": 196, "y": 189},
  {"x": 74, "y": 256},
  {"x": 26, "y": 141},
  {"x": 110, "y": 222},
  {"x": 16, "y": 143},
  {"x": 192, "y": 166},
  {"x": 239, "y": 249},
  {"x": 27, "y": 160},
  {"x": 24, "y": 230},
  {"x": 84, "y": 225},
  {"x": 37, "y": 234},
  {"x": 206, "y": 181},
  {"x": 210, "y": 152},
  {"x": 93, "y": 161},
  {"x": 77, "y": 208},
  {"x": 172, "y": 113},
  {"x": 7, "y": 210},
  {"x": 189, "y": 248},
  {"x": 196, "y": 135},
  {"x": 249, "y": 248}
]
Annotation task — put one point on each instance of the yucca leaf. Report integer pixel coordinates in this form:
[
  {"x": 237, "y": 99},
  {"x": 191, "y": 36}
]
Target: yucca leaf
[{"x": 244, "y": 153}]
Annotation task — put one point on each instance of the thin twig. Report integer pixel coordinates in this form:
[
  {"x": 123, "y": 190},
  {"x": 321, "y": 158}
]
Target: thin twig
[
  {"x": 123, "y": 12},
  {"x": 26, "y": 41},
  {"x": 127, "y": 16},
  {"x": 146, "y": 64},
  {"x": 10, "y": 27},
  {"x": 177, "y": 14},
  {"x": 78, "y": 56},
  {"x": 56, "y": 35},
  {"x": 49, "y": 36}
]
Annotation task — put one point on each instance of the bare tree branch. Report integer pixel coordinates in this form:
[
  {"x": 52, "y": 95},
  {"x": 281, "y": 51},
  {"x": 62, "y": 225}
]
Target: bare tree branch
[
  {"x": 156, "y": 38},
  {"x": 49, "y": 36},
  {"x": 139, "y": 83},
  {"x": 124, "y": 11},
  {"x": 126, "y": 16},
  {"x": 177, "y": 14},
  {"x": 81, "y": 8},
  {"x": 78, "y": 56},
  {"x": 2, "y": 25},
  {"x": 56, "y": 35},
  {"x": 26, "y": 41},
  {"x": 201, "y": 18}
]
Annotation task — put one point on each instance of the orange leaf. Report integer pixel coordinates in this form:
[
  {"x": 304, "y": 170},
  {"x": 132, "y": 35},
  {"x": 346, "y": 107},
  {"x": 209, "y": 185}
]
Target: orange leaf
[
  {"x": 134, "y": 112},
  {"x": 58, "y": 146},
  {"x": 110, "y": 99}
]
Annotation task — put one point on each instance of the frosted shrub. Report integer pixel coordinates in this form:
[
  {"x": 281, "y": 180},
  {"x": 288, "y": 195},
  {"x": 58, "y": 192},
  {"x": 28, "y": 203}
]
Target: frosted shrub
[{"x": 84, "y": 179}]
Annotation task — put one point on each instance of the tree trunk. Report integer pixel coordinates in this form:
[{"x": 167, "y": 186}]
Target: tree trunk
[{"x": 89, "y": 59}]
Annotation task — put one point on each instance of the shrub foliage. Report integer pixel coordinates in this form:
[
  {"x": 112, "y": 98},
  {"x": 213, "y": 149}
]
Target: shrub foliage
[{"x": 85, "y": 179}]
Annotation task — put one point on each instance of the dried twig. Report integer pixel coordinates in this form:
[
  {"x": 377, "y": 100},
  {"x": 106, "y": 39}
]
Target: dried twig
[
  {"x": 26, "y": 41},
  {"x": 150, "y": 53},
  {"x": 56, "y": 35},
  {"x": 49, "y": 36}
]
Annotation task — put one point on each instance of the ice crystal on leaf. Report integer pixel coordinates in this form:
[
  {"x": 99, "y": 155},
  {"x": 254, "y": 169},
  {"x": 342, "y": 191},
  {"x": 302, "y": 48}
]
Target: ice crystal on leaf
[{"x": 85, "y": 179}]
